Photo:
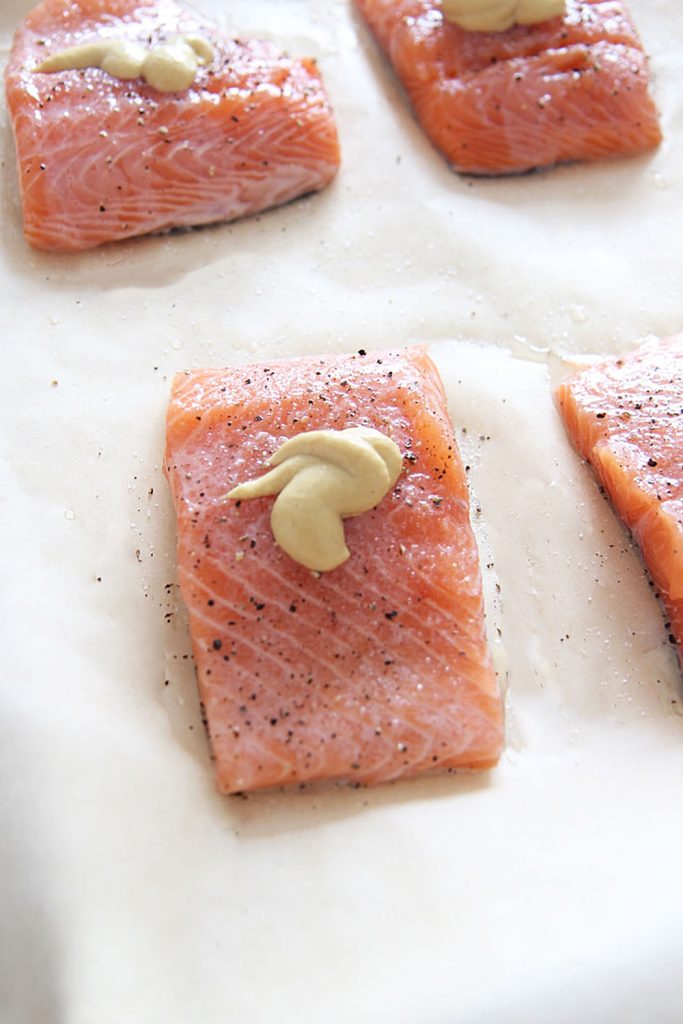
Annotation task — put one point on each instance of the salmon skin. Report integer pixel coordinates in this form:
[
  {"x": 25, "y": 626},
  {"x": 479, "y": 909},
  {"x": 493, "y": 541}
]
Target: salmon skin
[
  {"x": 375, "y": 670},
  {"x": 625, "y": 417},
  {"x": 101, "y": 159},
  {"x": 570, "y": 88}
]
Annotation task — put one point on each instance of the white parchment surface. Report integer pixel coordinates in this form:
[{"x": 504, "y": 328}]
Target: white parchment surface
[{"x": 547, "y": 891}]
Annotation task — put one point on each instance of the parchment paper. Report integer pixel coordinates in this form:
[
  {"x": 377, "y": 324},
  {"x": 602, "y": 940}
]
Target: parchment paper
[{"x": 546, "y": 891}]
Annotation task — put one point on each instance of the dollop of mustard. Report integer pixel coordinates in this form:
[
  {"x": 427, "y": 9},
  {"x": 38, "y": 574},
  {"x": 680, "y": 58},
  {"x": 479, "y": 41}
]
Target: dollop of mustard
[
  {"x": 500, "y": 15},
  {"x": 169, "y": 67},
  {"x": 322, "y": 477}
]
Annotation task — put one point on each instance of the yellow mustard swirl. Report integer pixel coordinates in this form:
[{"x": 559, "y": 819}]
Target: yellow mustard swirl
[
  {"x": 321, "y": 478},
  {"x": 500, "y": 15},
  {"x": 169, "y": 67}
]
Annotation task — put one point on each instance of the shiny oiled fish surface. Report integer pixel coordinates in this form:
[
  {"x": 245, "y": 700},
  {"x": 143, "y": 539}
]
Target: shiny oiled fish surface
[
  {"x": 101, "y": 159},
  {"x": 377, "y": 669}
]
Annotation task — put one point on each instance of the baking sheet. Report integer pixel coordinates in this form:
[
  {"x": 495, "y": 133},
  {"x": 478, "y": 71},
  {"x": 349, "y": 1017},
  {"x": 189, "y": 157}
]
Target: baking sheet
[{"x": 547, "y": 890}]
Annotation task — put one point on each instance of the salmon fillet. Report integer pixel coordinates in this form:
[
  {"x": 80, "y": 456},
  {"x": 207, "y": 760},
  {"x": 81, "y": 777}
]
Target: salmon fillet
[
  {"x": 625, "y": 417},
  {"x": 571, "y": 88},
  {"x": 375, "y": 670},
  {"x": 101, "y": 159}
]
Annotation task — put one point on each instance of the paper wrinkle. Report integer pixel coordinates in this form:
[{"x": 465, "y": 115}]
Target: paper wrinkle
[{"x": 130, "y": 890}]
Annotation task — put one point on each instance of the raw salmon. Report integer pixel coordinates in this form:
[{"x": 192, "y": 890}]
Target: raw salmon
[
  {"x": 377, "y": 669},
  {"x": 102, "y": 159},
  {"x": 625, "y": 416},
  {"x": 571, "y": 88}
]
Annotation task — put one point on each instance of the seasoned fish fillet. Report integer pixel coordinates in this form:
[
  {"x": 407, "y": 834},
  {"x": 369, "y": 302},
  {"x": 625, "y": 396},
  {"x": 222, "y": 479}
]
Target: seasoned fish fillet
[
  {"x": 625, "y": 417},
  {"x": 377, "y": 669},
  {"x": 571, "y": 88},
  {"x": 100, "y": 158}
]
